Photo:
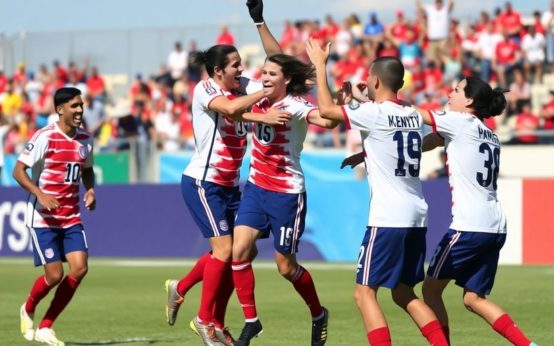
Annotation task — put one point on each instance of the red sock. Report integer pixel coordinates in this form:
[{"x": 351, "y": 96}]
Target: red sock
[
  {"x": 63, "y": 296},
  {"x": 243, "y": 277},
  {"x": 433, "y": 332},
  {"x": 379, "y": 337},
  {"x": 213, "y": 274},
  {"x": 40, "y": 290},
  {"x": 222, "y": 298},
  {"x": 446, "y": 332},
  {"x": 508, "y": 329},
  {"x": 194, "y": 276},
  {"x": 304, "y": 285}
]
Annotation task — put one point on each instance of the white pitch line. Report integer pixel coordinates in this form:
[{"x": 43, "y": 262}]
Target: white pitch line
[{"x": 142, "y": 263}]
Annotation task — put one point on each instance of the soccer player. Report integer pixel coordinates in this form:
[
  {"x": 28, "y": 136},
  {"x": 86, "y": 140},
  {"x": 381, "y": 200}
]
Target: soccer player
[
  {"x": 468, "y": 252},
  {"x": 274, "y": 198},
  {"x": 60, "y": 156},
  {"x": 210, "y": 181},
  {"x": 393, "y": 248}
]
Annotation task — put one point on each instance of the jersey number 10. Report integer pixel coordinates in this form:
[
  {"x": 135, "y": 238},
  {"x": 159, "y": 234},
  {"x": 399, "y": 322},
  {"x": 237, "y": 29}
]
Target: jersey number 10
[
  {"x": 413, "y": 149},
  {"x": 73, "y": 172}
]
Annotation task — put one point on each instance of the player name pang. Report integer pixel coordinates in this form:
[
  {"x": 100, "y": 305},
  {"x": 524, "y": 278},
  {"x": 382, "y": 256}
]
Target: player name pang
[
  {"x": 410, "y": 121},
  {"x": 488, "y": 135}
]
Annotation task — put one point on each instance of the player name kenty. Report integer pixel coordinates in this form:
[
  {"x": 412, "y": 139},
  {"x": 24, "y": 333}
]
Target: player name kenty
[
  {"x": 411, "y": 121},
  {"x": 488, "y": 135}
]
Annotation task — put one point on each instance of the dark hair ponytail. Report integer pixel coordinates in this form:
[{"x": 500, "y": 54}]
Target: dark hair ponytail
[
  {"x": 215, "y": 56},
  {"x": 486, "y": 101}
]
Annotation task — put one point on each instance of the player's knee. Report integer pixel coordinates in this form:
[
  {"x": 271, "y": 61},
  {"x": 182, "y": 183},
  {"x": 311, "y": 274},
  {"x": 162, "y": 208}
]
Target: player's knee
[
  {"x": 402, "y": 297},
  {"x": 470, "y": 299},
  {"x": 358, "y": 296},
  {"x": 79, "y": 272},
  {"x": 55, "y": 277},
  {"x": 287, "y": 270}
]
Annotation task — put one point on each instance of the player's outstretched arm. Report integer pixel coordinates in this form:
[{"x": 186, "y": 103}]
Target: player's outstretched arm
[
  {"x": 19, "y": 174},
  {"x": 273, "y": 116},
  {"x": 88, "y": 181},
  {"x": 235, "y": 107},
  {"x": 318, "y": 57},
  {"x": 256, "y": 10}
]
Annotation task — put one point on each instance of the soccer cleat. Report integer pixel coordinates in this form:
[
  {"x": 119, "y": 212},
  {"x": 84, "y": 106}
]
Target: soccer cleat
[
  {"x": 206, "y": 332},
  {"x": 47, "y": 336},
  {"x": 319, "y": 329},
  {"x": 26, "y": 324},
  {"x": 174, "y": 301},
  {"x": 224, "y": 336},
  {"x": 249, "y": 331},
  {"x": 533, "y": 344}
]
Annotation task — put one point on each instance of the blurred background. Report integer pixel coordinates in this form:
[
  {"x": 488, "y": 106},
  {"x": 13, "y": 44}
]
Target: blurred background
[{"x": 132, "y": 61}]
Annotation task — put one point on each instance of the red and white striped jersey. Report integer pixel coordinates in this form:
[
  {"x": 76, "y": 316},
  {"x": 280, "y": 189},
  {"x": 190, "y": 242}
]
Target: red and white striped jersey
[
  {"x": 275, "y": 163},
  {"x": 220, "y": 141},
  {"x": 57, "y": 161}
]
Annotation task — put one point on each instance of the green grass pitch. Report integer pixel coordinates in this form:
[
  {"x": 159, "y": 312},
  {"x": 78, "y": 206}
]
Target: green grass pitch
[{"x": 124, "y": 304}]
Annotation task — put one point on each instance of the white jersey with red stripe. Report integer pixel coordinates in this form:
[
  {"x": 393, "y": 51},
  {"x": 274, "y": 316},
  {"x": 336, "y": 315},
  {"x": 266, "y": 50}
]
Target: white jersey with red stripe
[
  {"x": 391, "y": 139},
  {"x": 56, "y": 161},
  {"x": 275, "y": 163},
  {"x": 220, "y": 141},
  {"x": 473, "y": 154}
]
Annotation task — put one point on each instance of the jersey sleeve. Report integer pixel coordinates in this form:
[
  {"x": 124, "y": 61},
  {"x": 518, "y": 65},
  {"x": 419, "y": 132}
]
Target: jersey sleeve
[
  {"x": 302, "y": 108},
  {"x": 360, "y": 116},
  {"x": 34, "y": 150},
  {"x": 446, "y": 124},
  {"x": 205, "y": 92}
]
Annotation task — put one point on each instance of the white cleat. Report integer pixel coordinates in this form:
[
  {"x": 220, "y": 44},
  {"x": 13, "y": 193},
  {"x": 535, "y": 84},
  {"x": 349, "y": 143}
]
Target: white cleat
[
  {"x": 47, "y": 336},
  {"x": 174, "y": 301},
  {"x": 26, "y": 324}
]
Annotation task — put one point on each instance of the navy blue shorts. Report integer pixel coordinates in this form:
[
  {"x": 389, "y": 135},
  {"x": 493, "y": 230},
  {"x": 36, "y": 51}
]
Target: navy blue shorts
[
  {"x": 470, "y": 258},
  {"x": 389, "y": 256},
  {"x": 52, "y": 244},
  {"x": 282, "y": 214},
  {"x": 213, "y": 207}
]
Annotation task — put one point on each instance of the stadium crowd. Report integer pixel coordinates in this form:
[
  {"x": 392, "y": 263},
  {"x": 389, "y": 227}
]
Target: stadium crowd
[{"x": 502, "y": 47}]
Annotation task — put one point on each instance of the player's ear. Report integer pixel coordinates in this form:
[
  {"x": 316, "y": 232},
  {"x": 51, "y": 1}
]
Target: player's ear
[
  {"x": 218, "y": 70},
  {"x": 287, "y": 80}
]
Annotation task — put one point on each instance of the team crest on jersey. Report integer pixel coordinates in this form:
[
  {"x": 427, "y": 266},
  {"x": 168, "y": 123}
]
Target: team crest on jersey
[
  {"x": 353, "y": 105},
  {"x": 83, "y": 152},
  {"x": 29, "y": 147},
  {"x": 223, "y": 225},
  {"x": 49, "y": 253}
]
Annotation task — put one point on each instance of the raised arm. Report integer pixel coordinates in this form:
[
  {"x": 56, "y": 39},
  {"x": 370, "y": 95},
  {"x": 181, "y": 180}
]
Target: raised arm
[
  {"x": 256, "y": 9},
  {"x": 318, "y": 57}
]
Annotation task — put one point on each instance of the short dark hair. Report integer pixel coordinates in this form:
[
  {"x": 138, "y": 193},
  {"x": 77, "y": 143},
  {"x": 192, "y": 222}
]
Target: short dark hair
[
  {"x": 296, "y": 70},
  {"x": 215, "y": 56},
  {"x": 487, "y": 102},
  {"x": 63, "y": 95},
  {"x": 390, "y": 72}
]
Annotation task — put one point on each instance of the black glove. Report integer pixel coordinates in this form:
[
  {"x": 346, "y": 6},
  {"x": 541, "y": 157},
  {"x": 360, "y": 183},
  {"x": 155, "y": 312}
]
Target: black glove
[{"x": 256, "y": 9}]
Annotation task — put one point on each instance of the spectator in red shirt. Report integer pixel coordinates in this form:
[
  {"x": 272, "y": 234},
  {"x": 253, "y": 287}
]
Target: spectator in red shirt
[
  {"x": 20, "y": 76},
  {"x": 430, "y": 102},
  {"x": 537, "y": 24},
  {"x": 61, "y": 73},
  {"x": 3, "y": 80},
  {"x": 397, "y": 30},
  {"x": 96, "y": 86},
  {"x": 289, "y": 37},
  {"x": 432, "y": 76},
  {"x": 225, "y": 37},
  {"x": 387, "y": 48},
  {"x": 510, "y": 22},
  {"x": 505, "y": 59},
  {"x": 331, "y": 28},
  {"x": 547, "y": 114},
  {"x": 526, "y": 122}
]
